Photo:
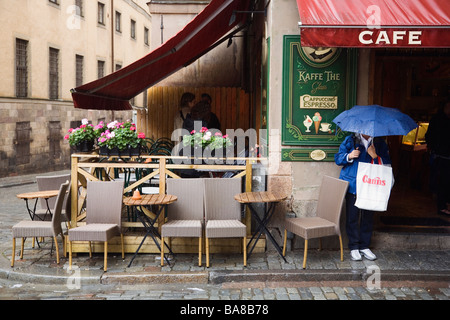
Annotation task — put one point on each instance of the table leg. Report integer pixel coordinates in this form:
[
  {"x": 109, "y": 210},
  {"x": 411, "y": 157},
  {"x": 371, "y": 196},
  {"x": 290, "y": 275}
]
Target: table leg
[
  {"x": 263, "y": 227},
  {"x": 151, "y": 230}
]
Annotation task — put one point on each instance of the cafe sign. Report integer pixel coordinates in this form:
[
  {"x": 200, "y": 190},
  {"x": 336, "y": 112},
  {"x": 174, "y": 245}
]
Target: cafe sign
[{"x": 318, "y": 84}]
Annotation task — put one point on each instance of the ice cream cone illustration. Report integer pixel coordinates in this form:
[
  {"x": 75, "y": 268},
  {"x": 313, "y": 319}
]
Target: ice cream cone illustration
[{"x": 317, "y": 119}]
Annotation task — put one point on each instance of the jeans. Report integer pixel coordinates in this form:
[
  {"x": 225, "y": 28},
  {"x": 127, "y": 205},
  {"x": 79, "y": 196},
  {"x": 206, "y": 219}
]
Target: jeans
[{"x": 359, "y": 225}]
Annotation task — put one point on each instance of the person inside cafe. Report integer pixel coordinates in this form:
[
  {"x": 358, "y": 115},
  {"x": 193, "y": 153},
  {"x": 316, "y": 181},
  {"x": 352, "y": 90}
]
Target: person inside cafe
[
  {"x": 200, "y": 112},
  {"x": 187, "y": 102},
  {"x": 438, "y": 144},
  {"x": 354, "y": 149},
  {"x": 213, "y": 121}
]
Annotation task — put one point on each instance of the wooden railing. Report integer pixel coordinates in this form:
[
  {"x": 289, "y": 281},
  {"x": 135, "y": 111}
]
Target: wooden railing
[{"x": 93, "y": 167}]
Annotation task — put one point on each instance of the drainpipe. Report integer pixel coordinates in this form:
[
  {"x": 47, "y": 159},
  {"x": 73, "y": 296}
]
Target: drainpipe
[
  {"x": 162, "y": 29},
  {"x": 112, "y": 45}
]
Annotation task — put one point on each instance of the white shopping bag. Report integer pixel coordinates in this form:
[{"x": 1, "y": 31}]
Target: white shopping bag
[{"x": 373, "y": 186}]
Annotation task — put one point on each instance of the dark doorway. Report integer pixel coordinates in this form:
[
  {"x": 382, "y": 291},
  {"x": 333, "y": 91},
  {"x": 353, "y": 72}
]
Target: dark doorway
[{"x": 416, "y": 81}]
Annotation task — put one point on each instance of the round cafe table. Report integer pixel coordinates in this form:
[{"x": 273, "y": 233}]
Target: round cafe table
[
  {"x": 146, "y": 200},
  {"x": 270, "y": 198},
  {"x": 46, "y": 194}
]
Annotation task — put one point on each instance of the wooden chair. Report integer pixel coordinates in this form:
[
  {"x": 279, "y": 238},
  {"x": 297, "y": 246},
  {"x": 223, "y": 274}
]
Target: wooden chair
[
  {"x": 222, "y": 212},
  {"x": 326, "y": 222},
  {"x": 25, "y": 229},
  {"x": 103, "y": 216},
  {"x": 185, "y": 216}
]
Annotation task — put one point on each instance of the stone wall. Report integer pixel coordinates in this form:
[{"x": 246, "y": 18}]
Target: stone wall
[{"x": 32, "y": 134}]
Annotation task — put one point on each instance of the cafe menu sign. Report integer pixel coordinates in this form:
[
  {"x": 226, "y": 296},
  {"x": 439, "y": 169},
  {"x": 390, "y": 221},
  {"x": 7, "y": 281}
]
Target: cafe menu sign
[{"x": 318, "y": 84}]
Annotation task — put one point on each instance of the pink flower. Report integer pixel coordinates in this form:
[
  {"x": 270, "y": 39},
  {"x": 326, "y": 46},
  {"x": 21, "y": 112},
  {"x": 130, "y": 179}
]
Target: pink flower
[
  {"x": 70, "y": 130},
  {"x": 141, "y": 135},
  {"x": 193, "y": 131},
  {"x": 83, "y": 126},
  {"x": 225, "y": 136},
  {"x": 132, "y": 128},
  {"x": 66, "y": 137},
  {"x": 204, "y": 129},
  {"x": 101, "y": 139},
  {"x": 218, "y": 134}
]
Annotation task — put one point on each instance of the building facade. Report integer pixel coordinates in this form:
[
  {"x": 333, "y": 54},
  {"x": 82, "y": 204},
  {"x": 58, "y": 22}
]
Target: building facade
[{"x": 49, "y": 47}]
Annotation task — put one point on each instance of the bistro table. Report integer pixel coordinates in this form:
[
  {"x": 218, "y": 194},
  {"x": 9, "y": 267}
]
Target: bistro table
[
  {"x": 159, "y": 200},
  {"x": 270, "y": 199},
  {"x": 47, "y": 194}
]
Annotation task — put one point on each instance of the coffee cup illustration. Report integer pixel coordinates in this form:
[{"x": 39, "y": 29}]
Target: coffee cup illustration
[{"x": 325, "y": 127}]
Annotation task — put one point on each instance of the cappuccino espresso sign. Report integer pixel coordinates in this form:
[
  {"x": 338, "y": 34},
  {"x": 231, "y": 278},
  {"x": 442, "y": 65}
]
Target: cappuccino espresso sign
[{"x": 318, "y": 84}]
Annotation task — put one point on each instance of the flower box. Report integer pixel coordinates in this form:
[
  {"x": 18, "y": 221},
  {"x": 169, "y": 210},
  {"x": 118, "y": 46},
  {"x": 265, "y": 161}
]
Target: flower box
[{"x": 129, "y": 152}]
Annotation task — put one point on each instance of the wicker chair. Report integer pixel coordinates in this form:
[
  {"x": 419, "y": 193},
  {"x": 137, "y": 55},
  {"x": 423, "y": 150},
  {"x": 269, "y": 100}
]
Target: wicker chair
[
  {"x": 103, "y": 216},
  {"x": 326, "y": 222},
  {"x": 222, "y": 212},
  {"x": 185, "y": 216},
  {"x": 25, "y": 229},
  {"x": 50, "y": 183}
]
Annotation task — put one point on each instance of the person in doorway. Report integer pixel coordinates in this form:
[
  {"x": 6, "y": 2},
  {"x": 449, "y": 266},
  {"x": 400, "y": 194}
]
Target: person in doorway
[
  {"x": 359, "y": 223},
  {"x": 438, "y": 144},
  {"x": 187, "y": 102},
  {"x": 213, "y": 121}
]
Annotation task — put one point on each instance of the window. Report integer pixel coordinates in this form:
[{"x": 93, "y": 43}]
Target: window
[
  {"x": 79, "y": 67},
  {"x": 53, "y": 73},
  {"x": 79, "y": 5},
  {"x": 118, "y": 22},
  {"x": 22, "y": 142},
  {"x": 54, "y": 2},
  {"x": 100, "y": 69},
  {"x": 133, "y": 29},
  {"x": 118, "y": 66},
  {"x": 146, "y": 36},
  {"x": 101, "y": 13},
  {"x": 54, "y": 130},
  {"x": 21, "y": 68}
]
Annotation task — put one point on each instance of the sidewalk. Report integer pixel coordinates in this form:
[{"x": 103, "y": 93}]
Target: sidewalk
[{"x": 393, "y": 264}]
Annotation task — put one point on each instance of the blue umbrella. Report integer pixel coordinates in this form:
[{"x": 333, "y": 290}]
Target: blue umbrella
[{"x": 375, "y": 121}]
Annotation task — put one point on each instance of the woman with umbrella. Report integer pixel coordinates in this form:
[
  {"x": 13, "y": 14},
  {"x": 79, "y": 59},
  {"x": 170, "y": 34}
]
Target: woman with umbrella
[
  {"x": 368, "y": 123},
  {"x": 359, "y": 225}
]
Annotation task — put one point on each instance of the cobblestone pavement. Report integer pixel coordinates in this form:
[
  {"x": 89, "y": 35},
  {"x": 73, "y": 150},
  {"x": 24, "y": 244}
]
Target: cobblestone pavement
[
  {"x": 348, "y": 290},
  {"x": 396, "y": 275}
]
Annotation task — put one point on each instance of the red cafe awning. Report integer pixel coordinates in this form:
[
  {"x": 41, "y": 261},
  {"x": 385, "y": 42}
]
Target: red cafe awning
[
  {"x": 113, "y": 92},
  {"x": 375, "y": 23}
]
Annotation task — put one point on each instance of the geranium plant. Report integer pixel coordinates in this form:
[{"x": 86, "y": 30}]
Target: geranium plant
[
  {"x": 120, "y": 135},
  {"x": 85, "y": 132},
  {"x": 205, "y": 138}
]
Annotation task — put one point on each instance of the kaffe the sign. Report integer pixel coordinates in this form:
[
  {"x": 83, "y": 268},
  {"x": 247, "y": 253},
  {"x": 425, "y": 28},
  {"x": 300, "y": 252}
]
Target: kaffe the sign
[{"x": 318, "y": 84}]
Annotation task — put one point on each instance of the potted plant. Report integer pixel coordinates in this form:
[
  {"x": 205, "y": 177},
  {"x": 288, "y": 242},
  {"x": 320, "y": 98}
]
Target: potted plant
[
  {"x": 82, "y": 139},
  {"x": 209, "y": 143},
  {"x": 120, "y": 138}
]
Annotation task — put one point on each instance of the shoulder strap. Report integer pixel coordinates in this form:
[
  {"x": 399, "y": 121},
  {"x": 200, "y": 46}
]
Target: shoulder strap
[
  {"x": 379, "y": 161},
  {"x": 181, "y": 115}
]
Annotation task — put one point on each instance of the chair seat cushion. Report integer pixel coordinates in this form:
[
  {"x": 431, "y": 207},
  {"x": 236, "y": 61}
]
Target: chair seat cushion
[
  {"x": 310, "y": 227},
  {"x": 182, "y": 228},
  {"x": 94, "y": 232},
  {"x": 25, "y": 229},
  {"x": 225, "y": 229}
]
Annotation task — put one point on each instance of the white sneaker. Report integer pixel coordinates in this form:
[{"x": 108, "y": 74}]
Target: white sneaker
[
  {"x": 368, "y": 254},
  {"x": 355, "y": 255}
]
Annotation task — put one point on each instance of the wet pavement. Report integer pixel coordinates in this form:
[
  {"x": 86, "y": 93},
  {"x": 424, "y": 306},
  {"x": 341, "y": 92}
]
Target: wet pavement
[{"x": 397, "y": 274}]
